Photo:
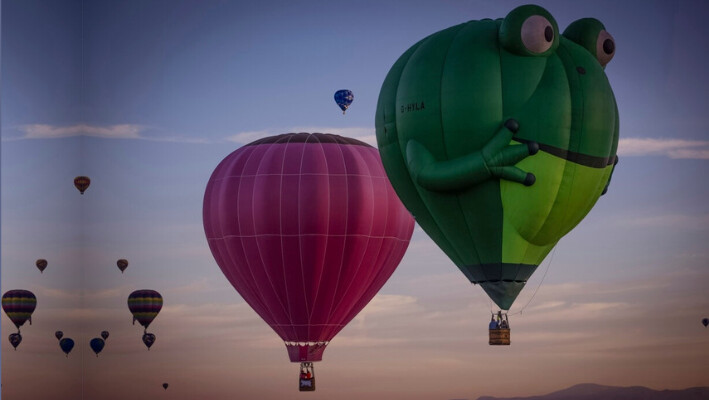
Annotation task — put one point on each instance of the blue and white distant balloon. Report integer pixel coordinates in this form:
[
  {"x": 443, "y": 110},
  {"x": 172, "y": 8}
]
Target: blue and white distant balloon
[{"x": 344, "y": 98}]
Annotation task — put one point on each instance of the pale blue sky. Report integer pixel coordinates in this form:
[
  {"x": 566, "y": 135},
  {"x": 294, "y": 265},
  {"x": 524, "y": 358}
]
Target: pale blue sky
[{"x": 163, "y": 90}]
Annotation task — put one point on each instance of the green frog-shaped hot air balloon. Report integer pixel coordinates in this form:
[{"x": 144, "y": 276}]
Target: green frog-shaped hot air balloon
[{"x": 500, "y": 136}]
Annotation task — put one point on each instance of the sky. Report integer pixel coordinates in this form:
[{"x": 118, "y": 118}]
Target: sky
[{"x": 147, "y": 97}]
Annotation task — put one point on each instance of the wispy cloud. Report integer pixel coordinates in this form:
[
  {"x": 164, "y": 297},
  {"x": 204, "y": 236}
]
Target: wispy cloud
[
  {"x": 120, "y": 131},
  {"x": 672, "y": 148},
  {"x": 44, "y": 131},
  {"x": 365, "y": 134}
]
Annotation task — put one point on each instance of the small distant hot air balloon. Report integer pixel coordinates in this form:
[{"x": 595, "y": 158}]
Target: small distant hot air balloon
[
  {"x": 66, "y": 345},
  {"x": 97, "y": 345},
  {"x": 15, "y": 340},
  {"x": 104, "y": 335},
  {"x": 41, "y": 264},
  {"x": 164, "y": 386},
  {"x": 59, "y": 335},
  {"x": 19, "y": 305},
  {"x": 149, "y": 339},
  {"x": 344, "y": 98},
  {"x": 82, "y": 183},
  {"x": 122, "y": 264},
  {"x": 705, "y": 322},
  {"x": 145, "y": 305}
]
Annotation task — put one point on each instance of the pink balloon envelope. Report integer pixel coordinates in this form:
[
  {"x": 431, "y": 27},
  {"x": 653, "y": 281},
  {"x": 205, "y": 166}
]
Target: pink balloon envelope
[{"x": 307, "y": 228}]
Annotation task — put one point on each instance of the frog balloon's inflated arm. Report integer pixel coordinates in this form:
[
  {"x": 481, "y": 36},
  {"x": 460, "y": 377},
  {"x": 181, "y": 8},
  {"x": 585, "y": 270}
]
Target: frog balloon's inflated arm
[{"x": 495, "y": 160}]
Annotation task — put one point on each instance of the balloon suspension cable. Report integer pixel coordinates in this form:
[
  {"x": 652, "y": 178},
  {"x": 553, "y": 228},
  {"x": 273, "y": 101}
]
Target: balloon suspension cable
[{"x": 540, "y": 283}]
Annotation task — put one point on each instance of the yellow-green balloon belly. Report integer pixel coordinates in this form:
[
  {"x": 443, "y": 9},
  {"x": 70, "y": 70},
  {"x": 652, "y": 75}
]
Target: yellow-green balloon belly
[{"x": 536, "y": 217}]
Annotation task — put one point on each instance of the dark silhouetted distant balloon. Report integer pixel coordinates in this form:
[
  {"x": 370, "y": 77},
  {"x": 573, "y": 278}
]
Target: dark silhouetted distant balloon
[
  {"x": 164, "y": 386},
  {"x": 66, "y": 345},
  {"x": 97, "y": 345},
  {"x": 59, "y": 335},
  {"x": 149, "y": 339},
  {"x": 41, "y": 264},
  {"x": 104, "y": 335},
  {"x": 82, "y": 183},
  {"x": 344, "y": 98},
  {"x": 705, "y": 321},
  {"x": 145, "y": 305},
  {"x": 307, "y": 228},
  {"x": 122, "y": 264},
  {"x": 19, "y": 305},
  {"x": 15, "y": 340}
]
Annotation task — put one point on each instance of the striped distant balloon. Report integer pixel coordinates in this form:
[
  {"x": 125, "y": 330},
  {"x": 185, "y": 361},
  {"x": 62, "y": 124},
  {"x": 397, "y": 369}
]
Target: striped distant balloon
[
  {"x": 19, "y": 305},
  {"x": 145, "y": 305}
]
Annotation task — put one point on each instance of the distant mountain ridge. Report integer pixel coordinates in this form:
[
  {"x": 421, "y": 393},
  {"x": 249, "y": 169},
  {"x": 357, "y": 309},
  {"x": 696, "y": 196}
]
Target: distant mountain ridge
[{"x": 591, "y": 391}]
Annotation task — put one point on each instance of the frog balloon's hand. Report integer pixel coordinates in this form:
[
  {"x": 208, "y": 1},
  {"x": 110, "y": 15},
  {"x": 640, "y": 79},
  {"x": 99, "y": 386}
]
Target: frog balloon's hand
[
  {"x": 500, "y": 157},
  {"x": 495, "y": 160}
]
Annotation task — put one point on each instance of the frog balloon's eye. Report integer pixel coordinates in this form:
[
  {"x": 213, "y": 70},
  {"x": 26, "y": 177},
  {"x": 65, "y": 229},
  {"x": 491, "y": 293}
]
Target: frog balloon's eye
[
  {"x": 605, "y": 47},
  {"x": 529, "y": 31},
  {"x": 537, "y": 34},
  {"x": 591, "y": 34}
]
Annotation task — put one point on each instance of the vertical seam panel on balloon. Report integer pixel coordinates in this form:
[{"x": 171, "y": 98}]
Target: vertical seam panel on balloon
[
  {"x": 224, "y": 253},
  {"x": 300, "y": 232},
  {"x": 280, "y": 236},
  {"x": 256, "y": 292},
  {"x": 248, "y": 263},
  {"x": 327, "y": 235},
  {"x": 457, "y": 196},
  {"x": 378, "y": 269},
  {"x": 569, "y": 57},
  {"x": 369, "y": 236},
  {"x": 344, "y": 243}
]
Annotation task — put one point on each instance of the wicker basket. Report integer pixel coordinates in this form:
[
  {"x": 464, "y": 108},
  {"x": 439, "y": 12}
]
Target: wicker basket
[
  {"x": 307, "y": 384},
  {"x": 499, "y": 337}
]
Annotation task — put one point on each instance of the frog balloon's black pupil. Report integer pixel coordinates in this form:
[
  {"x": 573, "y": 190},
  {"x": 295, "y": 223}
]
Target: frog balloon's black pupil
[
  {"x": 608, "y": 46},
  {"x": 549, "y": 33}
]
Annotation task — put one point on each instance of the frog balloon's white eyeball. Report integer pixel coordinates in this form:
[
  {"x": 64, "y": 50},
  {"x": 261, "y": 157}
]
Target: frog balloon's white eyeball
[{"x": 537, "y": 34}]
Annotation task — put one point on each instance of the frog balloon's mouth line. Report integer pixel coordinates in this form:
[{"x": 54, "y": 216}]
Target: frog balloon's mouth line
[{"x": 578, "y": 158}]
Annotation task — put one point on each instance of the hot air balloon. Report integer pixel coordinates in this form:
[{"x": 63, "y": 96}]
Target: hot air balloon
[
  {"x": 66, "y": 345},
  {"x": 145, "y": 305},
  {"x": 148, "y": 339},
  {"x": 59, "y": 335},
  {"x": 164, "y": 386},
  {"x": 82, "y": 183},
  {"x": 97, "y": 345},
  {"x": 15, "y": 340},
  {"x": 19, "y": 305},
  {"x": 705, "y": 322},
  {"x": 307, "y": 229},
  {"x": 104, "y": 335},
  {"x": 344, "y": 98},
  {"x": 500, "y": 136},
  {"x": 41, "y": 264},
  {"x": 122, "y": 264}
]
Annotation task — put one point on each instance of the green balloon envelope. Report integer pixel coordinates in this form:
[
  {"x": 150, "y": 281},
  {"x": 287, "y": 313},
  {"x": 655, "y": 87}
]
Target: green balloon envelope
[{"x": 500, "y": 136}]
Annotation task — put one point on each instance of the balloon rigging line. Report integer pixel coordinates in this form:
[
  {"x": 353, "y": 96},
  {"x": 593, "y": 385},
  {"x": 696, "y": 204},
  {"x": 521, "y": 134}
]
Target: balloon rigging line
[{"x": 540, "y": 282}]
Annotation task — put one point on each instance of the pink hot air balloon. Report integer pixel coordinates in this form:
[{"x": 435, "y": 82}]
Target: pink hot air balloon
[{"x": 307, "y": 228}]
